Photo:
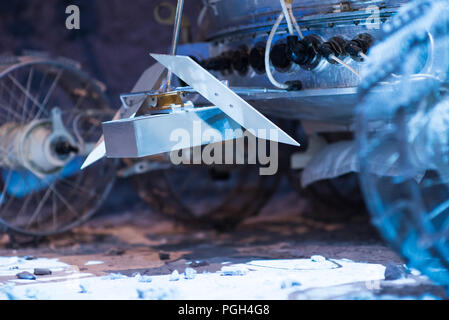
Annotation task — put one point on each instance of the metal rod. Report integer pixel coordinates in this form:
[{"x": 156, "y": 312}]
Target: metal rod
[{"x": 177, "y": 28}]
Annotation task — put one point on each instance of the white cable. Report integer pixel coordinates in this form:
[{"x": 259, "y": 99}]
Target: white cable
[
  {"x": 363, "y": 56},
  {"x": 345, "y": 65},
  {"x": 287, "y": 17},
  {"x": 295, "y": 23},
  {"x": 267, "y": 54},
  {"x": 201, "y": 16}
]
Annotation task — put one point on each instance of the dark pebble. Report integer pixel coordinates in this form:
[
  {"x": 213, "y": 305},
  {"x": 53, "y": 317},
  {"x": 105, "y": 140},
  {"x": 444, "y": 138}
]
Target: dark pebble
[
  {"x": 164, "y": 256},
  {"x": 115, "y": 252},
  {"x": 394, "y": 272},
  {"x": 197, "y": 264},
  {"x": 30, "y": 258},
  {"x": 25, "y": 276},
  {"x": 42, "y": 272}
]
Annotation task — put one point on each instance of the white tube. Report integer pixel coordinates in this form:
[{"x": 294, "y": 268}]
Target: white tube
[
  {"x": 363, "y": 56},
  {"x": 267, "y": 54},
  {"x": 287, "y": 17},
  {"x": 347, "y": 66},
  {"x": 295, "y": 23}
]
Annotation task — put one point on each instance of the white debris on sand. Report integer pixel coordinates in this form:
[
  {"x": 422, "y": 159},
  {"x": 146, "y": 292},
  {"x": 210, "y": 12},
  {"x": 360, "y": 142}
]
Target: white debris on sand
[
  {"x": 294, "y": 264},
  {"x": 290, "y": 283},
  {"x": 237, "y": 270},
  {"x": 258, "y": 279},
  {"x": 174, "y": 276},
  {"x": 317, "y": 258},
  {"x": 83, "y": 288},
  {"x": 415, "y": 272},
  {"x": 7, "y": 292},
  {"x": 10, "y": 266},
  {"x": 114, "y": 276},
  {"x": 189, "y": 273},
  {"x": 93, "y": 263},
  {"x": 157, "y": 293},
  {"x": 145, "y": 279}
]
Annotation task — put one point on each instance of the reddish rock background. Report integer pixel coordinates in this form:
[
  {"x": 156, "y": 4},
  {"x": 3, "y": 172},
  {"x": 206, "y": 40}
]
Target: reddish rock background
[{"x": 114, "y": 41}]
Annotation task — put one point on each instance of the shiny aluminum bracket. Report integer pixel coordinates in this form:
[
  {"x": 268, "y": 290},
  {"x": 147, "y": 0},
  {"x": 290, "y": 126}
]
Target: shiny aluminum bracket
[
  {"x": 136, "y": 137},
  {"x": 149, "y": 80},
  {"x": 221, "y": 96},
  {"x": 154, "y": 134}
]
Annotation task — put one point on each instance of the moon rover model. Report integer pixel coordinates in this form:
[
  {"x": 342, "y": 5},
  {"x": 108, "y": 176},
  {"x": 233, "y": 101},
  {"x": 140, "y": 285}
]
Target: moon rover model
[{"x": 354, "y": 90}]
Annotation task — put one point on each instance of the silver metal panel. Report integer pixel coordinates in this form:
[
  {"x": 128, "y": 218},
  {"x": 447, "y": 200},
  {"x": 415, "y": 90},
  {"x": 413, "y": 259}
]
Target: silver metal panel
[
  {"x": 149, "y": 80},
  {"x": 150, "y": 135},
  {"x": 220, "y": 95},
  {"x": 330, "y": 105},
  {"x": 120, "y": 137}
]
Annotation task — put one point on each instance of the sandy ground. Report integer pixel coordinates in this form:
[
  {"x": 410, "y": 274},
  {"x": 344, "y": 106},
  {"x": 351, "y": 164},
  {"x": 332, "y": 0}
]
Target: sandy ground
[{"x": 131, "y": 254}]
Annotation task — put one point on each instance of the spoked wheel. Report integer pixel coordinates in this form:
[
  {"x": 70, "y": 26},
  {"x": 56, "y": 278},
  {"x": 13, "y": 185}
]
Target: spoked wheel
[
  {"x": 50, "y": 119},
  {"x": 403, "y": 138},
  {"x": 218, "y": 196}
]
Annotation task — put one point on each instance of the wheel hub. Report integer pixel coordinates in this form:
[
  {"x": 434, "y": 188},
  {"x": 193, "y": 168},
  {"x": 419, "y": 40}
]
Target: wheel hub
[{"x": 42, "y": 146}]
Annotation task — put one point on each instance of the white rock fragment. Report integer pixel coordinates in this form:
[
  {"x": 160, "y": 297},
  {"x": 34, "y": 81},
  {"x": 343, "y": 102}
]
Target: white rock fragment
[
  {"x": 415, "y": 272},
  {"x": 158, "y": 293},
  {"x": 189, "y": 273},
  {"x": 7, "y": 292},
  {"x": 290, "y": 283},
  {"x": 9, "y": 261},
  {"x": 146, "y": 279},
  {"x": 114, "y": 276},
  {"x": 174, "y": 276},
  {"x": 317, "y": 258},
  {"x": 93, "y": 262},
  {"x": 142, "y": 278},
  {"x": 32, "y": 294},
  {"x": 83, "y": 288},
  {"x": 234, "y": 271}
]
